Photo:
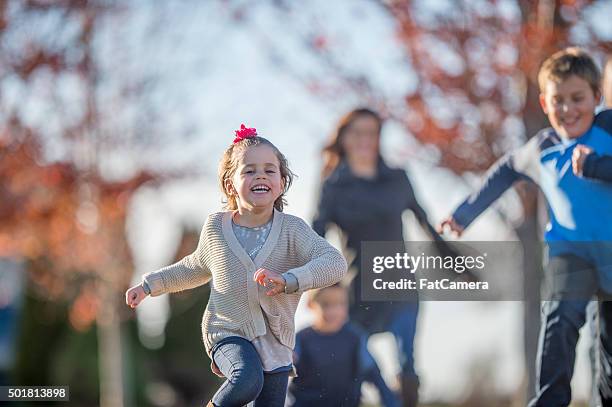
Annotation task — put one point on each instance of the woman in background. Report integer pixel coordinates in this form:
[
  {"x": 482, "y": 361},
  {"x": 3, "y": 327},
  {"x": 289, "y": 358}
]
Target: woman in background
[{"x": 365, "y": 199}]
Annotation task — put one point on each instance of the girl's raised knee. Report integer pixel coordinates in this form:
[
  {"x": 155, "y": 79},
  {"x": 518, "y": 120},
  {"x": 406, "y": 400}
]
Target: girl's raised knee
[{"x": 249, "y": 380}]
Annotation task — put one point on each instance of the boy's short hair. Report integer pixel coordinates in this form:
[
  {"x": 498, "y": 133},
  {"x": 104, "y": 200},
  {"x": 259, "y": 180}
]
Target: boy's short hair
[
  {"x": 314, "y": 294},
  {"x": 567, "y": 62}
]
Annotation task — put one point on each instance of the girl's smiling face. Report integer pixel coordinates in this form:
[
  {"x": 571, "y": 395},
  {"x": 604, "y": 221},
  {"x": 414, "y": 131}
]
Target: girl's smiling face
[{"x": 257, "y": 180}]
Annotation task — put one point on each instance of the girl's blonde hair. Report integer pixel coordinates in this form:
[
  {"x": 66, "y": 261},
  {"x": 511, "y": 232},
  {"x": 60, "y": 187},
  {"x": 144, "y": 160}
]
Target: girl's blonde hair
[{"x": 229, "y": 164}]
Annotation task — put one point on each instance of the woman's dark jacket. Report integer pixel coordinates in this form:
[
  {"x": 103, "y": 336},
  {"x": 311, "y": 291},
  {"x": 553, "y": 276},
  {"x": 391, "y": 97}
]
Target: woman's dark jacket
[{"x": 368, "y": 210}]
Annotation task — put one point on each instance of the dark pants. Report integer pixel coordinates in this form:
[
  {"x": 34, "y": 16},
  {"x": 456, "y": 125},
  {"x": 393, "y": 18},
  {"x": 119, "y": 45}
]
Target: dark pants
[
  {"x": 403, "y": 328},
  {"x": 371, "y": 373},
  {"x": 400, "y": 319},
  {"x": 246, "y": 381},
  {"x": 573, "y": 283}
]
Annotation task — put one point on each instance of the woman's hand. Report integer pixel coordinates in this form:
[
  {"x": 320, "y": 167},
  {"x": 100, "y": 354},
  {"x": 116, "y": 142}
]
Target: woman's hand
[
  {"x": 135, "y": 295},
  {"x": 452, "y": 225},
  {"x": 581, "y": 152},
  {"x": 270, "y": 279}
]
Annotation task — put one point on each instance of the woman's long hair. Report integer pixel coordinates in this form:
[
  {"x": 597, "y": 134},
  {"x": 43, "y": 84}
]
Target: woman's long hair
[{"x": 333, "y": 152}]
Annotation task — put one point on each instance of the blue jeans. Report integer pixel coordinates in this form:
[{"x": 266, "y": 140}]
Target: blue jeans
[
  {"x": 400, "y": 319},
  {"x": 387, "y": 397},
  {"x": 370, "y": 372},
  {"x": 574, "y": 282},
  {"x": 403, "y": 328},
  {"x": 246, "y": 380}
]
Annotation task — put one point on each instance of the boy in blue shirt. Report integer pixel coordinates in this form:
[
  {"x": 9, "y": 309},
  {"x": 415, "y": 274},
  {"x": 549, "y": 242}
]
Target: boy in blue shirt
[
  {"x": 572, "y": 164},
  {"x": 331, "y": 357}
]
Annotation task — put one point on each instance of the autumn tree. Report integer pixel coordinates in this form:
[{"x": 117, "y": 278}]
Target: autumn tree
[{"x": 67, "y": 115}]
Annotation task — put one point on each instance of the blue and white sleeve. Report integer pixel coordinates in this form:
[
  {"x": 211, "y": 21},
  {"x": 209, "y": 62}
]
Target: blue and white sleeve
[{"x": 498, "y": 179}]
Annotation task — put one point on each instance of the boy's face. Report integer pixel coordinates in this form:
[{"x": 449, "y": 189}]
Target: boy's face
[
  {"x": 257, "y": 179},
  {"x": 570, "y": 106},
  {"x": 330, "y": 308}
]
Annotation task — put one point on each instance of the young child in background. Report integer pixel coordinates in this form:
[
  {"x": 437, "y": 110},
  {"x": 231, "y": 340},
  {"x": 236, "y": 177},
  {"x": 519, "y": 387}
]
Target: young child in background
[
  {"x": 332, "y": 357},
  {"x": 571, "y": 163},
  {"x": 259, "y": 261}
]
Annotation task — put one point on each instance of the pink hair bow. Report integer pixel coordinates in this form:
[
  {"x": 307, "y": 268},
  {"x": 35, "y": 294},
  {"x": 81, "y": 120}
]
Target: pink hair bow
[{"x": 244, "y": 133}]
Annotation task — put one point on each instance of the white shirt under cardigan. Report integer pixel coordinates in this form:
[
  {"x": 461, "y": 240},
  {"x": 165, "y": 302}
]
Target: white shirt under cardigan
[
  {"x": 236, "y": 300},
  {"x": 273, "y": 354}
]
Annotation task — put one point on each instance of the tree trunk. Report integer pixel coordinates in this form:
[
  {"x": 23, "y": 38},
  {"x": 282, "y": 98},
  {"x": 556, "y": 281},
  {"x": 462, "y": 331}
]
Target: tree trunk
[
  {"x": 528, "y": 233},
  {"x": 109, "y": 343}
]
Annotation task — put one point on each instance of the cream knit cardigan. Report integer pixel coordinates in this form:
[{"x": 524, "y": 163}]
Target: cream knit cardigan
[{"x": 235, "y": 304}]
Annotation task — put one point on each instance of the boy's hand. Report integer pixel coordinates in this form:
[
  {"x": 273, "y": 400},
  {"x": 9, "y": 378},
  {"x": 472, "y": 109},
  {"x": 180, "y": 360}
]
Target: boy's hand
[
  {"x": 135, "y": 295},
  {"x": 270, "y": 279},
  {"x": 580, "y": 154},
  {"x": 452, "y": 225}
]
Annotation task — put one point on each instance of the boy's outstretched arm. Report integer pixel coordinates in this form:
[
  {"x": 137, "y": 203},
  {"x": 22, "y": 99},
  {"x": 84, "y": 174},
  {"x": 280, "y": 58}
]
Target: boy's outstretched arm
[{"x": 498, "y": 179}]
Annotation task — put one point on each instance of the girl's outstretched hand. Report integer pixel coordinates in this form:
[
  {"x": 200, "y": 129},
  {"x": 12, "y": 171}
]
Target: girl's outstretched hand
[
  {"x": 135, "y": 295},
  {"x": 452, "y": 225},
  {"x": 272, "y": 280}
]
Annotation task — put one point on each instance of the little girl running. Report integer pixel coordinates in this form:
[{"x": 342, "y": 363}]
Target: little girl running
[{"x": 259, "y": 261}]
